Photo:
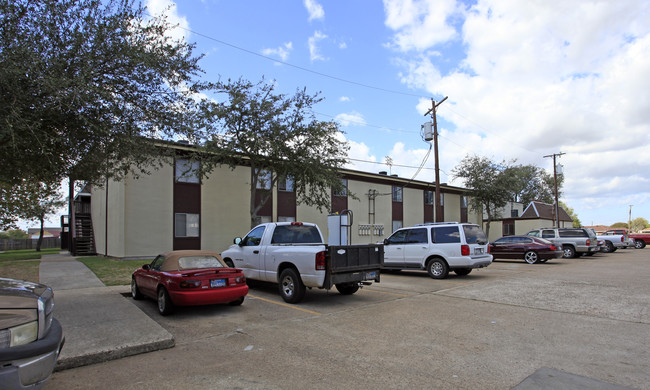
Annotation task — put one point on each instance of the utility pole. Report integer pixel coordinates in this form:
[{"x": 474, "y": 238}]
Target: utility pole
[
  {"x": 629, "y": 221},
  {"x": 556, "y": 209},
  {"x": 439, "y": 216}
]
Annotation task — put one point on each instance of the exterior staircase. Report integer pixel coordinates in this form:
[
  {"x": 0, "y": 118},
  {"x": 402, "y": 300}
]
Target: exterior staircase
[{"x": 84, "y": 241}]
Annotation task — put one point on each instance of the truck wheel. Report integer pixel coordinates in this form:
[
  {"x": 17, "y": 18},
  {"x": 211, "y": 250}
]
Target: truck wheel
[
  {"x": 291, "y": 288},
  {"x": 347, "y": 288},
  {"x": 135, "y": 291},
  {"x": 639, "y": 244},
  {"x": 165, "y": 305},
  {"x": 462, "y": 271},
  {"x": 608, "y": 248},
  {"x": 531, "y": 257},
  {"x": 569, "y": 252},
  {"x": 437, "y": 268}
]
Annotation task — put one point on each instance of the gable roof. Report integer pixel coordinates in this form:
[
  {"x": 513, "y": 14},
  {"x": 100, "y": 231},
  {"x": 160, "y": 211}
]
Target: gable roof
[{"x": 544, "y": 211}]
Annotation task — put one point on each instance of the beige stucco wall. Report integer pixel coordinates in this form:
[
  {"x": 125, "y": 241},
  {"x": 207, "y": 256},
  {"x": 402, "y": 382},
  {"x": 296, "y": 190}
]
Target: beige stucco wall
[
  {"x": 115, "y": 218},
  {"x": 148, "y": 215},
  {"x": 452, "y": 207},
  {"x": 225, "y": 207},
  {"x": 413, "y": 206},
  {"x": 496, "y": 230}
]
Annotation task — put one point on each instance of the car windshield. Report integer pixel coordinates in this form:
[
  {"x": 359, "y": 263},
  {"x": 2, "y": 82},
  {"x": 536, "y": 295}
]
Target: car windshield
[
  {"x": 474, "y": 234},
  {"x": 194, "y": 262}
]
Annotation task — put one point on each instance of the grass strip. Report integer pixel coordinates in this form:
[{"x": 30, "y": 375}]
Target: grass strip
[{"x": 113, "y": 272}]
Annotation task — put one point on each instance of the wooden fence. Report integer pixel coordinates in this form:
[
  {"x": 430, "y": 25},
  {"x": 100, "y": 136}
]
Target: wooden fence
[{"x": 28, "y": 243}]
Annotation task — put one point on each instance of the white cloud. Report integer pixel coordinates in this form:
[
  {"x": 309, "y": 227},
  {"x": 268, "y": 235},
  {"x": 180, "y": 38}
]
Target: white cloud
[
  {"x": 420, "y": 24},
  {"x": 281, "y": 51},
  {"x": 314, "y": 51},
  {"x": 169, "y": 8},
  {"x": 353, "y": 118},
  {"x": 314, "y": 9},
  {"x": 537, "y": 78},
  {"x": 344, "y": 99}
]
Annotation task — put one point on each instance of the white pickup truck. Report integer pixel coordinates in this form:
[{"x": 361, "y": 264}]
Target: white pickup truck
[
  {"x": 293, "y": 254},
  {"x": 614, "y": 241}
]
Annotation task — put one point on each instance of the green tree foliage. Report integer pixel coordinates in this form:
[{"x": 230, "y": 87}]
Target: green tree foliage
[
  {"x": 620, "y": 225},
  {"x": 639, "y": 224},
  {"x": 531, "y": 183},
  {"x": 84, "y": 84},
  {"x": 15, "y": 234},
  {"x": 490, "y": 183},
  {"x": 572, "y": 214},
  {"x": 270, "y": 132},
  {"x": 29, "y": 200}
]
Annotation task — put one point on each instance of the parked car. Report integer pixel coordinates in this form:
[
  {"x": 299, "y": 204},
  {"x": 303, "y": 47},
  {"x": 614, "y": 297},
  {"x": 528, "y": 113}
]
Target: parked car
[
  {"x": 438, "y": 248},
  {"x": 30, "y": 337},
  {"x": 531, "y": 249},
  {"x": 574, "y": 241},
  {"x": 294, "y": 255},
  {"x": 613, "y": 241},
  {"x": 189, "y": 278},
  {"x": 640, "y": 239}
]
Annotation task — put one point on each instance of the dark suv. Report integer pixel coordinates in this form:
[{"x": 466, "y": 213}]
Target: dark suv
[
  {"x": 30, "y": 337},
  {"x": 574, "y": 241}
]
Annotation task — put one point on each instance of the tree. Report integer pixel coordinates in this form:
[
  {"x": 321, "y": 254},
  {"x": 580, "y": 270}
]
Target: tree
[
  {"x": 86, "y": 84},
  {"x": 489, "y": 183},
  {"x": 15, "y": 234},
  {"x": 32, "y": 200},
  {"x": 638, "y": 224},
  {"x": 572, "y": 214},
  {"x": 532, "y": 183},
  {"x": 278, "y": 137}
]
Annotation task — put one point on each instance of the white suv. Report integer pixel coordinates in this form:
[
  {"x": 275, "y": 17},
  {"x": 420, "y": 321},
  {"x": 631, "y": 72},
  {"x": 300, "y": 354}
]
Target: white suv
[{"x": 438, "y": 248}]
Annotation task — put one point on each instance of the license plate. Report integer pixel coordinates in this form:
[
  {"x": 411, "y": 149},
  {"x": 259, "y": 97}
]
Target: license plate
[
  {"x": 218, "y": 283},
  {"x": 371, "y": 275},
  {"x": 478, "y": 251}
]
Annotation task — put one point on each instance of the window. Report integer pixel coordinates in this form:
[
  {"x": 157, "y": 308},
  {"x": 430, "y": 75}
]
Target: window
[
  {"x": 428, "y": 197},
  {"x": 474, "y": 235},
  {"x": 254, "y": 237},
  {"x": 397, "y": 194},
  {"x": 198, "y": 262},
  {"x": 417, "y": 236},
  {"x": 263, "y": 219},
  {"x": 344, "y": 190},
  {"x": 397, "y": 225},
  {"x": 463, "y": 202},
  {"x": 157, "y": 263},
  {"x": 548, "y": 234},
  {"x": 286, "y": 219},
  {"x": 187, "y": 225},
  {"x": 445, "y": 235},
  {"x": 399, "y": 237},
  {"x": 442, "y": 199},
  {"x": 187, "y": 171},
  {"x": 514, "y": 213},
  {"x": 296, "y": 234},
  {"x": 285, "y": 184},
  {"x": 263, "y": 180}
]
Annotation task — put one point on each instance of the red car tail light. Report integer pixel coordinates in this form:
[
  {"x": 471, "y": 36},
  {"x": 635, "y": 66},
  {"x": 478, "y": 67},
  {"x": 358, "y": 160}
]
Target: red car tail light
[
  {"x": 190, "y": 284},
  {"x": 240, "y": 279},
  {"x": 321, "y": 261},
  {"x": 553, "y": 247},
  {"x": 488, "y": 249},
  {"x": 464, "y": 250},
  {"x": 588, "y": 242}
]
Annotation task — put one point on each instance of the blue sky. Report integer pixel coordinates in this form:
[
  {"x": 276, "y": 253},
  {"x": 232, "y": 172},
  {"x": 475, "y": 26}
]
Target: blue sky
[{"x": 524, "y": 79}]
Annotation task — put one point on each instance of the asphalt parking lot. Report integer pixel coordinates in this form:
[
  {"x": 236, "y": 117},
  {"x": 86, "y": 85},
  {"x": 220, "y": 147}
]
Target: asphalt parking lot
[{"x": 492, "y": 329}]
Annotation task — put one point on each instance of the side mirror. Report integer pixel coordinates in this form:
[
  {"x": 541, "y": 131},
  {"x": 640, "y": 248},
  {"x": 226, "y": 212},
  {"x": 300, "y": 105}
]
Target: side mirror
[
  {"x": 386, "y": 242},
  {"x": 237, "y": 241},
  {"x": 146, "y": 267}
]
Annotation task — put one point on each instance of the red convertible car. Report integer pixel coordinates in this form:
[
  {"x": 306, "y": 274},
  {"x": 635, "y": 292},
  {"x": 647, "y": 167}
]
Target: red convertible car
[
  {"x": 530, "y": 249},
  {"x": 188, "y": 278}
]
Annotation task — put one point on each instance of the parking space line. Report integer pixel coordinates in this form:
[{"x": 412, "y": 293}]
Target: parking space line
[
  {"x": 386, "y": 292},
  {"x": 284, "y": 304}
]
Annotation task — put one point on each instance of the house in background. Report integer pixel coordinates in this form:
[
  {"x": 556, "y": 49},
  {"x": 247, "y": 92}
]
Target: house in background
[
  {"x": 534, "y": 216},
  {"x": 48, "y": 232},
  {"x": 174, "y": 209}
]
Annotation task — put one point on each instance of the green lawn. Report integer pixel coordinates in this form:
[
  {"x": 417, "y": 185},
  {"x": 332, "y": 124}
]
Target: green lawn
[
  {"x": 23, "y": 264},
  {"x": 113, "y": 272}
]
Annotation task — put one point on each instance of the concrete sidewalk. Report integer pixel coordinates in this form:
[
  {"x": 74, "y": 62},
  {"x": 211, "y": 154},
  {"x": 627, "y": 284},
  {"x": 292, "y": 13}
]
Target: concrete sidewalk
[{"x": 99, "y": 323}]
